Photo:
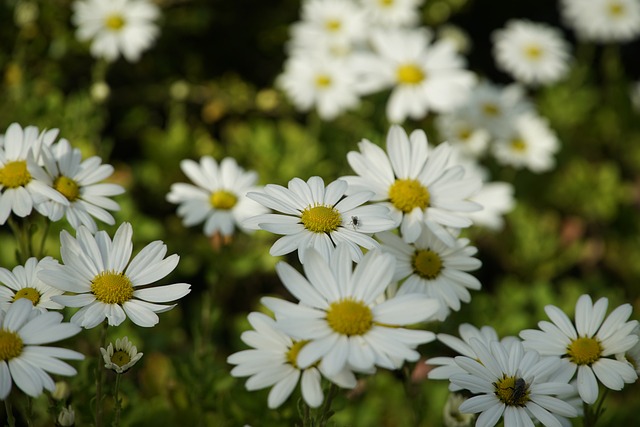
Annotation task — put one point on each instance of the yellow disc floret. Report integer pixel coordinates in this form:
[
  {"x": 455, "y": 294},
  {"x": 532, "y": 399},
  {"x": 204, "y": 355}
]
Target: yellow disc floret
[
  {"x": 15, "y": 174},
  {"x": 512, "y": 391},
  {"x": 67, "y": 187},
  {"x": 584, "y": 351},
  {"x": 114, "y": 22},
  {"x": 533, "y": 51},
  {"x": 349, "y": 317},
  {"x": 409, "y": 74},
  {"x": 223, "y": 199},
  {"x": 292, "y": 354},
  {"x": 11, "y": 345},
  {"x": 407, "y": 194},
  {"x": 427, "y": 264},
  {"x": 323, "y": 81},
  {"x": 112, "y": 288},
  {"x": 616, "y": 9},
  {"x": 518, "y": 144},
  {"x": 31, "y": 294},
  {"x": 321, "y": 219},
  {"x": 120, "y": 358},
  {"x": 333, "y": 25},
  {"x": 490, "y": 109}
]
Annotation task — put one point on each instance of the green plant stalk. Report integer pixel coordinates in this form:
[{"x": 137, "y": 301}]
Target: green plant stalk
[
  {"x": 591, "y": 417},
  {"x": 100, "y": 375},
  {"x": 116, "y": 395},
  {"x": 21, "y": 234},
  {"x": 9, "y": 410}
]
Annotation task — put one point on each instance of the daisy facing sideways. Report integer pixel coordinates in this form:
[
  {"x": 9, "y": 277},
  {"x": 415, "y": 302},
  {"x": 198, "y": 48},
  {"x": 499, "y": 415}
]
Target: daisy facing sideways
[
  {"x": 107, "y": 284},
  {"x": 121, "y": 356},
  {"x": 23, "y": 282}
]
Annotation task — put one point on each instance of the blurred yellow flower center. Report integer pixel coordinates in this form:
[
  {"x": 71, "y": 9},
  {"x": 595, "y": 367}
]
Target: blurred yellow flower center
[
  {"x": 409, "y": 74},
  {"x": 120, "y": 358},
  {"x": 464, "y": 134},
  {"x": 292, "y": 354},
  {"x": 68, "y": 187},
  {"x": 112, "y": 288},
  {"x": 114, "y": 22},
  {"x": 31, "y": 294},
  {"x": 15, "y": 174},
  {"x": 512, "y": 391},
  {"x": 321, "y": 219},
  {"x": 427, "y": 264},
  {"x": 333, "y": 25},
  {"x": 533, "y": 51},
  {"x": 323, "y": 81},
  {"x": 407, "y": 194},
  {"x": 616, "y": 9},
  {"x": 584, "y": 351},
  {"x": 517, "y": 144},
  {"x": 490, "y": 109},
  {"x": 386, "y": 2},
  {"x": 10, "y": 345},
  {"x": 349, "y": 317},
  {"x": 223, "y": 199}
]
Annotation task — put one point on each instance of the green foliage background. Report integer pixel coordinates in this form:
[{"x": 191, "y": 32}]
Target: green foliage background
[{"x": 206, "y": 88}]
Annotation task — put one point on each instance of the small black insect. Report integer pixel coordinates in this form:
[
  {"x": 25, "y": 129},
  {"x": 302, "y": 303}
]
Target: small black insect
[
  {"x": 519, "y": 391},
  {"x": 355, "y": 222}
]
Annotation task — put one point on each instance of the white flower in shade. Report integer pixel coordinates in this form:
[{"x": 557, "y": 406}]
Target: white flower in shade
[
  {"x": 587, "y": 345},
  {"x": 419, "y": 185},
  {"x": 460, "y": 130},
  {"x": 431, "y": 267},
  {"x": 218, "y": 197},
  {"x": 116, "y": 27},
  {"x": 603, "y": 20},
  {"x": 320, "y": 82},
  {"x": 531, "y": 144},
  {"x": 632, "y": 355},
  {"x": 532, "y": 53},
  {"x": 342, "y": 317},
  {"x": 23, "y": 282},
  {"x": 67, "y": 416},
  {"x": 23, "y": 359},
  {"x": 80, "y": 183},
  {"x": 23, "y": 183},
  {"x": 392, "y": 13},
  {"x": 320, "y": 217},
  {"x": 422, "y": 76},
  {"x": 121, "y": 357},
  {"x": 515, "y": 384},
  {"x": 451, "y": 415},
  {"x": 272, "y": 362},
  {"x": 107, "y": 284}
]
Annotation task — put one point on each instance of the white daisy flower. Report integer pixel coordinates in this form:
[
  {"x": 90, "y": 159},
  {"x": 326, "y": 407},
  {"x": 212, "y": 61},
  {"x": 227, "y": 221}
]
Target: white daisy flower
[
  {"x": 23, "y": 282},
  {"x": 109, "y": 286},
  {"x": 272, "y": 362},
  {"x": 586, "y": 345},
  {"x": 341, "y": 315},
  {"x": 531, "y": 144},
  {"x": 116, "y": 27},
  {"x": 418, "y": 185},
  {"x": 23, "y": 182},
  {"x": 121, "y": 357},
  {"x": 392, "y": 13},
  {"x": 218, "y": 197},
  {"x": 451, "y": 415},
  {"x": 319, "y": 217},
  {"x": 512, "y": 383},
  {"x": 460, "y": 130},
  {"x": 431, "y": 267},
  {"x": 80, "y": 183},
  {"x": 23, "y": 359},
  {"x": 603, "y": 21},
  {"x": 632, "y": 355},
  {"x": 532, "y": 53},
  {"x": 422, "y": 76}
]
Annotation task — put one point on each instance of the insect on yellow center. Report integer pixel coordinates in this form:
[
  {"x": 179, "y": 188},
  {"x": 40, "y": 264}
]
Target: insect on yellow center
[
  {"x": 11, "y": 345},
  {"x": 427, "y": 264},
  {"x": 512, "y": 391},
  {"x": 223, "y": 199},
  {"x": 31, "y": 294},
  {"x": 112, "y": 288},
  {"x": 490, "y": 109},
  {"x": 68, "y": 187},
  {"x": 584, "y": 351},
  {"x": 533, "y": 52},
  {"x": 15, "y": 174},
  {"x": 517, "y": 144},
  {"x": 120, "y": 358},
  {"x": 407, "y": 194},
  {"x": 349, "y": 317},
  {"x": 333, "y": 25},
  {"x": 321, "y": 219},
  {"x": 409, "y": 74},
  {"x": 114, "y": 22},
  {"x": 323, "y": 81}
]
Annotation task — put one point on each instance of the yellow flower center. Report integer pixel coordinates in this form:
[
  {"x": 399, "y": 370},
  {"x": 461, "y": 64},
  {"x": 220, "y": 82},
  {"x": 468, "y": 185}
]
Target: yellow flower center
[
  {"x": 333, "y": 25},
  {"x": 114, "y": 22},
  {"x": 386, "y": 3},
  {"x": 407, "y": 194},
  {"x": 427, "y": 264},
  {"x": 409, "y": 74},
  {"x": 584, "y": 351},
  {"x": 512, "y": 391},
  {"x": 120, "y": 358},
  {"x": 112, "y": 288},
  {"x": 323, "y": 81},
  {"x": 292, "y": 354},
  {"x": 15, "y": 174},
  {"x": 616, "y": 9},
  {"x": 464, "y": 134},
  {"x": 223, "y": 199},
  {"x": 517, "y": 144},
  {"x": 10, "y": 345},
  {"x": 321, "y": 219},
  {"x": 31, "y": 294},
  {"x": 533, "y": 51},
  {"x": 349, "y": 317},
  {"x": 490, "y": 109},
  {"x": 68, "y": 187}
]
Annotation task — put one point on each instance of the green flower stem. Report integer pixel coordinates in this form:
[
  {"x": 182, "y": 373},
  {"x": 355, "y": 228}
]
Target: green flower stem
[
  {"x": 325, "y": 410},
  {"x": 21, "y": 233},
  {"x": 100, "y": 375},
  {"x": 591, "y": 414},
  {"x": 118, "y": 399},
  {"x": 11, "y": 420}
]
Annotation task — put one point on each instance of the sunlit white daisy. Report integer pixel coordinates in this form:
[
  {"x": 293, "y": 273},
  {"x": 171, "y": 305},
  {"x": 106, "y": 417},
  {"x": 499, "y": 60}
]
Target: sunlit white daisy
[
  {"x": 23, "y": 359},
  {"x": 320, "y": 217},
  {"x": 121, "y": 356},
  {"x": 23, "y": 183},
  {"x": 431, "y": 267},
  {"x": 392, "y": 13},
  {"x": 588, "y": 345},
  {"x": 272, "y": 362},
  {"x": 23, "y": 282},
  {"x": 512, "y": 383},
  {"x": 603, "y": 20},
  {"x": 80, "y": 182},
  {"x": 107, "y": 284},
  {"x": 530, "y": 144},
  {"x": 342, "y": 316},
  {"x": 532, "y": 53},
  {"x": 218, "y": 197},
  {"x": 116, "y": 27},
  {"x": 417, "y": 184}
]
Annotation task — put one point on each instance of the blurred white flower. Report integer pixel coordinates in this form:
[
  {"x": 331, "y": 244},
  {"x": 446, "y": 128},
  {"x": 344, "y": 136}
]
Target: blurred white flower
[
  {"x": 460, "y": 130},
  {"x": 392, "y": 13},
  {"x": 603, "y": 21},
  {"x": 451, "y": 415},
  {"x": 67, "y": 416}
]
